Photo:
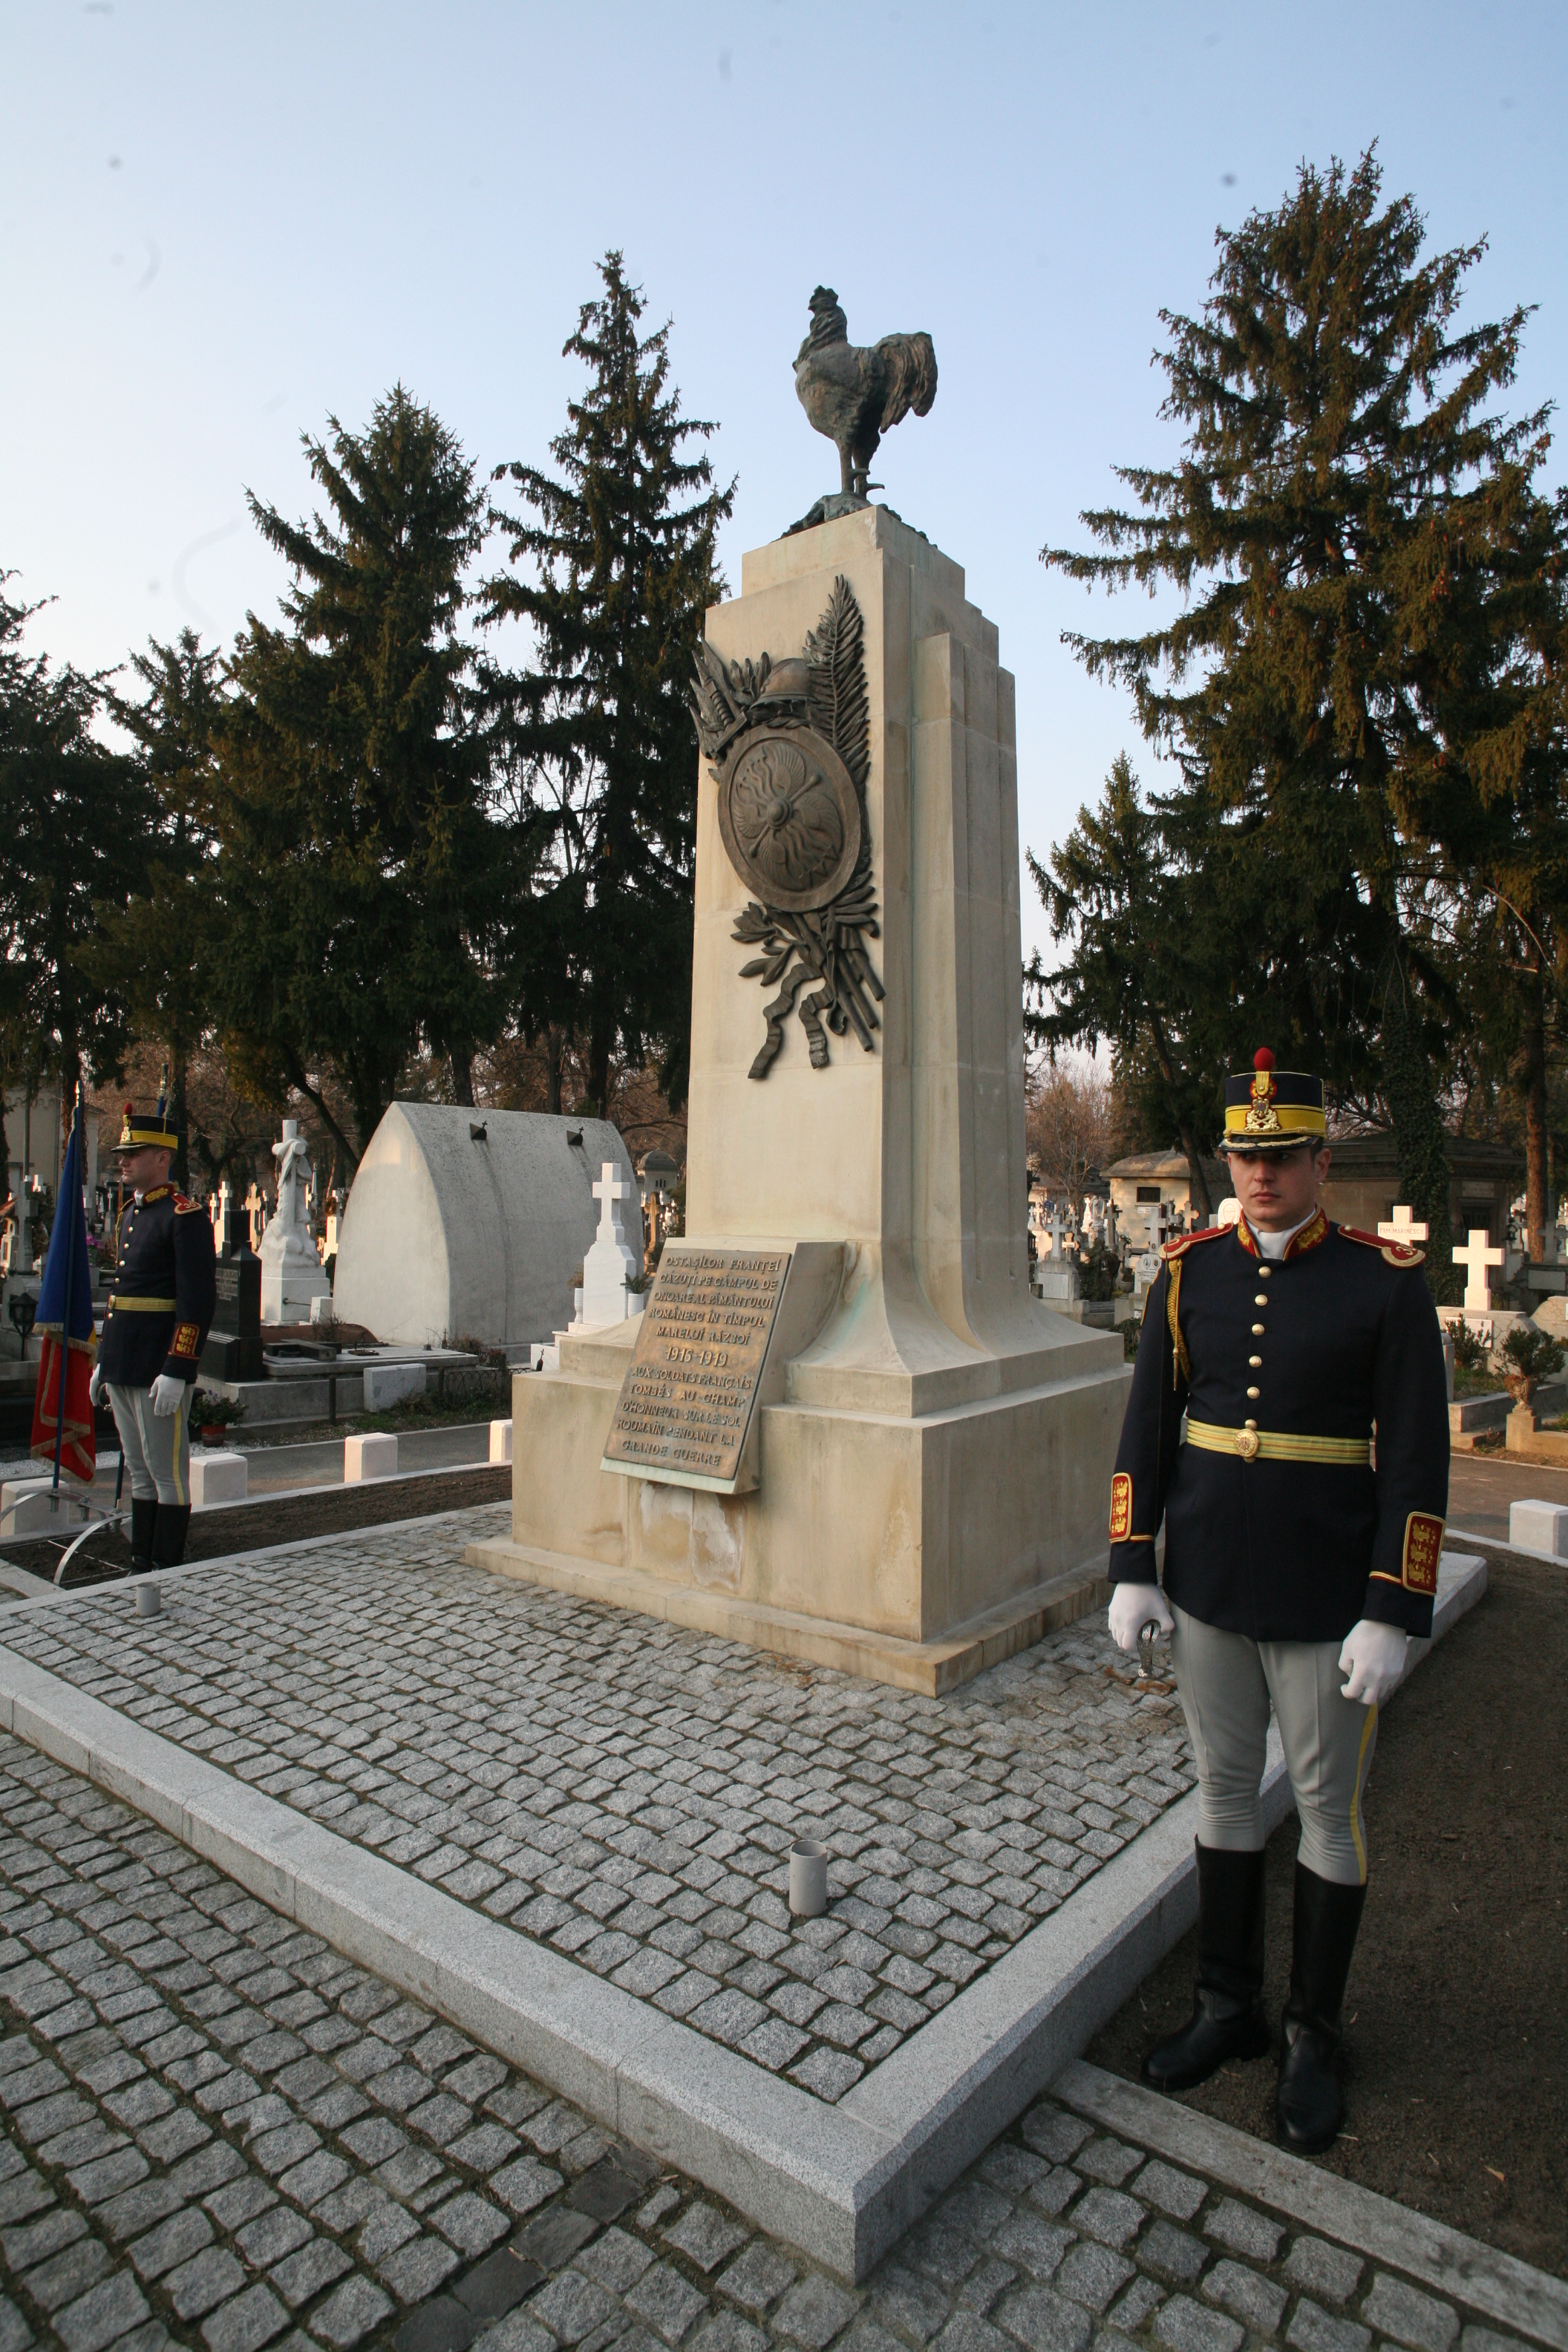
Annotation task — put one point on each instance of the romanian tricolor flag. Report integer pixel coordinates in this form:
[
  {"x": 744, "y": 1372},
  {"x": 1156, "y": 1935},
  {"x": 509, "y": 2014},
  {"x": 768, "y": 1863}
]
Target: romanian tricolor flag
[{"x": 62, "y": 1409}]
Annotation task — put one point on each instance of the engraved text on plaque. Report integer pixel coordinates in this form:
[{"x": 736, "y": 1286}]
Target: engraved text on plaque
[{"x": 687, "y": 1398}]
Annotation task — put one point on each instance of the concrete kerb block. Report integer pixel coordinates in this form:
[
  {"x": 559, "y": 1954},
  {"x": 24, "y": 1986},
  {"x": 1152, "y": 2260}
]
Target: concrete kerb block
[
  {"x": 388, "y": 1384},
  {"x": 373, "y": 1455},
  {"x": 500, "y": 1440},
  {"x": 1539, "y": 1526},
  {"x": 31, "y": 1506},
  {"x": 219, "y": 1478}
]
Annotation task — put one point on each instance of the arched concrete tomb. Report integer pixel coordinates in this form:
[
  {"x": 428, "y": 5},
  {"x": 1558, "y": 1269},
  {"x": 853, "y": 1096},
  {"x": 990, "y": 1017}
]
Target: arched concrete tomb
[{"x": 471, "y": 1223}]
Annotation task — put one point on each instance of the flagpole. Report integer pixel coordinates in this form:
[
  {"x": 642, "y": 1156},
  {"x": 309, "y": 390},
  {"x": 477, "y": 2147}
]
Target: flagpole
[{"x": 75, "y": 1158}]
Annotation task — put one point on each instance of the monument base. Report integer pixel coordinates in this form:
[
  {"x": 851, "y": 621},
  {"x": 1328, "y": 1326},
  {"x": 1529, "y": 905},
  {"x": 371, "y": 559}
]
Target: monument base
[
  {"x": 929, "y": 1668},
  {"x": 914, "y": 1548}
]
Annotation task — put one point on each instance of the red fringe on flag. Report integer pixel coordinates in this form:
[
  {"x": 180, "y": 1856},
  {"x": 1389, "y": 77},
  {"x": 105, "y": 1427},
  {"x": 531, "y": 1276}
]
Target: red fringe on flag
[{"x": 78, "y": 1453}]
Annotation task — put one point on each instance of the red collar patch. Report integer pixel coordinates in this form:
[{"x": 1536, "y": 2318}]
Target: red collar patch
[{"x": 1306, "y": 1237}]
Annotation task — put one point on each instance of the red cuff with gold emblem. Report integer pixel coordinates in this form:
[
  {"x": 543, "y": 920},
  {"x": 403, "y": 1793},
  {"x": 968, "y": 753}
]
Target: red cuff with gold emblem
[
  {"x": 1120, "y": 1508},
  {"x": 1423, "y": 1549}
]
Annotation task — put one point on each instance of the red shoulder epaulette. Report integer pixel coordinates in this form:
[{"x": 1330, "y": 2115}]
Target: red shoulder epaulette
[
  {"x": 185, "y": 1206},
  {"x": 1171, "y": 1251},
  {"x": 1395, "y": 1253}
]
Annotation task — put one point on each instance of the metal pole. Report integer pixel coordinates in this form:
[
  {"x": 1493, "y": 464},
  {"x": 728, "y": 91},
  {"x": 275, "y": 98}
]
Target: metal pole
[{"x": 70, "y": 1285}]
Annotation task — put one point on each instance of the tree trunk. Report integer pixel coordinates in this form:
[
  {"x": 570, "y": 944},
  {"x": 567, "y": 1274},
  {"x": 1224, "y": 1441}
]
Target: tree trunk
[
  {"x": 1419, "y": 1142},
  {"x": 553, "y": 1072},
  {"x": 462, "y": 1069},
  {"x": 1196, "y": 1172},
  {"x": 599, "y": 1072},
  {"x": 1530, "y": 1077},
  {"x": 180, "y": 1168},
  {"x": 301, "y": 1085}
]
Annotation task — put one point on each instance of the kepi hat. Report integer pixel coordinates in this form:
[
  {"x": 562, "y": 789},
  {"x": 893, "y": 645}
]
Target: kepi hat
[
  {"x": 149, "y": 1130},
  {"x": 1267, "y": 1110}
]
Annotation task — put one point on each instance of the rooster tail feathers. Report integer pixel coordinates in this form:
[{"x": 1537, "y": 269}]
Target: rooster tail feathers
[{"x": 910, "y": 362}]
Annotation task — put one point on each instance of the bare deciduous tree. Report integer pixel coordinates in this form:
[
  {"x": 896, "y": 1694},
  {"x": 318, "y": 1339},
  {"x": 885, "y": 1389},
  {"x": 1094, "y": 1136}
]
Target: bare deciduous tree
[{"x": 1068, "y": 1125}]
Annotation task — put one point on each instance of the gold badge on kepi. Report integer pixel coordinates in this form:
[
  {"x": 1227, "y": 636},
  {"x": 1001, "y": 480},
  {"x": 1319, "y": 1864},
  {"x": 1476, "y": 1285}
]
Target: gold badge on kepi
[{"x": 1270, "y": 1110}]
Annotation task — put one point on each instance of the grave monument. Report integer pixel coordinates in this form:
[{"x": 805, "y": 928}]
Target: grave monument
[
  {"x": 843, "y": 1428},
  {"x": 472, "y": 1224},
  {"x": 291, "y": 1272}
]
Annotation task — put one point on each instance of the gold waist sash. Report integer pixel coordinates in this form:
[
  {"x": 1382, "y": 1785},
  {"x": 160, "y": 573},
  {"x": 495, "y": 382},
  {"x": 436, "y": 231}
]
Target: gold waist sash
[
  {"x": 1275, "y": 1445},
  {"x": 141, "y": 1306}
]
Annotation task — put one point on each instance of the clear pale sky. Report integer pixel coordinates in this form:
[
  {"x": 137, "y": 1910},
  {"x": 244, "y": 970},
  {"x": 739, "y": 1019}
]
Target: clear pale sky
[{"x": 217, "y": 226}]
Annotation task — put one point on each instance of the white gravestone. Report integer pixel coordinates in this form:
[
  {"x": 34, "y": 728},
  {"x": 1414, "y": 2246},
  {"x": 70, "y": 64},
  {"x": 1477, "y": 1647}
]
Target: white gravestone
[
  {"x": 1145, "y": 1274},
  {"x": 291, "y": 1273},
  {"x": 1404, "y": 1228},
  {"x": 1477, "y": 1260},
  {"x": 612, "y": 1262}
]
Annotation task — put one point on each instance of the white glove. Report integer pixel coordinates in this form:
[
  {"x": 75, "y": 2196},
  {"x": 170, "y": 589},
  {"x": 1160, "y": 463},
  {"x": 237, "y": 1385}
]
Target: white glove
[
  {"x": 1374, "y": 1657},
  {"x": 168, "y": 1395},
  {"x": 1132, "y": 1606},
  {"x": 96, "y": 1385}
]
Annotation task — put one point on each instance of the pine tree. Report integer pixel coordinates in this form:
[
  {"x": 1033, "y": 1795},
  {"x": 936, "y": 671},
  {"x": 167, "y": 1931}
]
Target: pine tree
[
  {"x": 77, "y": 822},
  {"x": 1349, "y": 531},
  {"x": 363, "y": 875},
  {"x": 161, "y": 948},
  {"x": 1114, "y": 891},
  {"x": 620, "y": 557}
]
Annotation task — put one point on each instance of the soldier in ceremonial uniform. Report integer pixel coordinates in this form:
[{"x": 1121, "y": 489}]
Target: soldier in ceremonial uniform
[
  {"x": 1300, "y": 1555},
  {"x": 159, "y": 1316}
]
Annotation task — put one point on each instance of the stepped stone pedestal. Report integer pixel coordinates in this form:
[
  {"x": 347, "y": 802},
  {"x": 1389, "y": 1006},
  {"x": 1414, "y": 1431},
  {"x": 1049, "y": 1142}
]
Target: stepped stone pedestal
[{"x": 932, "y": 1446}]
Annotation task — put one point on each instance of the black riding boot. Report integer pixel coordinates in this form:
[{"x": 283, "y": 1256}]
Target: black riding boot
[
  {"x": 169, "y": 1535},
  {"x": 1309, "y": 2104},
  {"x": 143, "y": 1517},
  {"x": 1228, "y": 2019}
]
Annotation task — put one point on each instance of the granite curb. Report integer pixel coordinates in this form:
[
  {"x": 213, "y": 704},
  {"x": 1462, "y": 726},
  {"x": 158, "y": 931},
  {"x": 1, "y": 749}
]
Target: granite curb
[
  {"x": 842, "y": 2182},
  {"x": 1519, "y": 2296}
]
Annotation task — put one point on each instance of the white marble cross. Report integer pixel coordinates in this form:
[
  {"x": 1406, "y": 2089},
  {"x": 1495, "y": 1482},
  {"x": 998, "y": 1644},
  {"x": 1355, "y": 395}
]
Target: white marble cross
[
  {"x": 1477, "y": 1260},
  {"x": 612, "y": 1262},
  {"x": 1404, "y": 1228},
  {"x": 608, "y": 1189}
]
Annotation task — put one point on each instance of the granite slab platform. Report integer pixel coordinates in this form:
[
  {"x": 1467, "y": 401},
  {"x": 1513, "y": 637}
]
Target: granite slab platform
[{"x": 565, "y": 1830}]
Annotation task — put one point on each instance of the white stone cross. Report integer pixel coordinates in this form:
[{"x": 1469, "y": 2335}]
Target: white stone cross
[
  {"x": 1477, "y": 1260},
  {"x": 608, "y": 1189},
  {"x": 1058, "y": 1229},
  {"x": 612, "y": 1262},
  {"x": 1404, "y": 1228}
]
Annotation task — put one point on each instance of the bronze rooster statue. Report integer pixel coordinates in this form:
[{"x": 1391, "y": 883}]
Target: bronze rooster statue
[{"x": 854, "y": 395}]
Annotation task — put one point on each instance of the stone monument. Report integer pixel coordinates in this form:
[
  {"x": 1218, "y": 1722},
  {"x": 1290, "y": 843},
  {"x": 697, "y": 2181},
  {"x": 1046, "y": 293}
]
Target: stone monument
[
  {"x": 843, "y": 1428},
  {"x": 291, "y": 1273}
]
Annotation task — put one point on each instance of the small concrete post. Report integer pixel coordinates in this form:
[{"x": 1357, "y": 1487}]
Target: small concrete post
[{"x": 807, "y": 1878}]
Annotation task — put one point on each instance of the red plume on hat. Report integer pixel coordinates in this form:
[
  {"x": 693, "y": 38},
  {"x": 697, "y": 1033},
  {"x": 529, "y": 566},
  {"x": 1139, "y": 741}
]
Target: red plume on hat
[{"x": 1263, "y": 1059}]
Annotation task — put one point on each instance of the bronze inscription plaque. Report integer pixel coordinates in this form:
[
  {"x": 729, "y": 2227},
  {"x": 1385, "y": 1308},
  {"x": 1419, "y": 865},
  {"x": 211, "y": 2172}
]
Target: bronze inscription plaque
[{"x": 687, "y": 1400}]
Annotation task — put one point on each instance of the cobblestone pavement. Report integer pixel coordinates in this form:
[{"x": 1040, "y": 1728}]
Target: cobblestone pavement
[
  {"x": 219, "y": 2135},
  {"x": 627, "y": 1790}
]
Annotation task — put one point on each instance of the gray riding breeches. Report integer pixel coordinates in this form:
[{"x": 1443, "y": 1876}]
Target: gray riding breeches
[{"x": 1227, "y": 1682}]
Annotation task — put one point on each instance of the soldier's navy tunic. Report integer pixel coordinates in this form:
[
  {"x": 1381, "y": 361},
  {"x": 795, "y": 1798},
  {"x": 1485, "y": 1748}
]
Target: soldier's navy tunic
[
  {"x": 165, "y": 1290},
  {"x": 1337, "y": 1340}
]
